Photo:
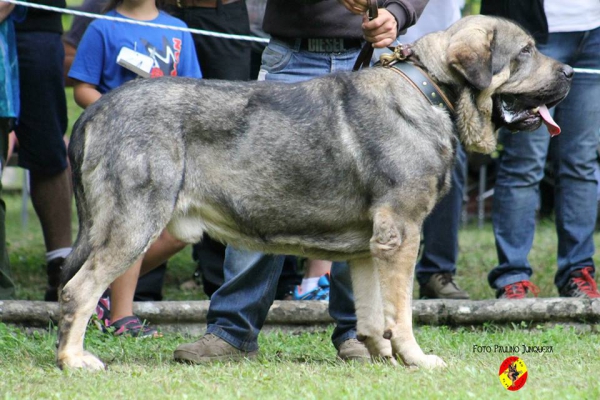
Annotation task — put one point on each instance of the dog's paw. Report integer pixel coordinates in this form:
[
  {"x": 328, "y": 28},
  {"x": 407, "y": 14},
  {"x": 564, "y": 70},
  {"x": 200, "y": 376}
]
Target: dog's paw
[
  {"x": 86, "y": 361},
  {"x": 428, "y": 361}
]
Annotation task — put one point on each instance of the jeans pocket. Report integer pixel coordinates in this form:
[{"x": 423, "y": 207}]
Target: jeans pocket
[{"x": 275, "y": 57}]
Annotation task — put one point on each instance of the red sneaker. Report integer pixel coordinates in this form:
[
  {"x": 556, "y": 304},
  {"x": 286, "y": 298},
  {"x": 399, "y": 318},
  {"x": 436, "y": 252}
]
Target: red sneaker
[
  {"x": 581, "y": 284},
  {"x": 517, "y": 290}
]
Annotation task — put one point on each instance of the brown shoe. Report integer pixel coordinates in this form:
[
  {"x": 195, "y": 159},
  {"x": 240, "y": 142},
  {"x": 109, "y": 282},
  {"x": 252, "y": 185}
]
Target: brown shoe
[
  {"x": 353, "y": 350},
  {"x": 208, "y": 349},
  {"x": 442, "y": 286}
]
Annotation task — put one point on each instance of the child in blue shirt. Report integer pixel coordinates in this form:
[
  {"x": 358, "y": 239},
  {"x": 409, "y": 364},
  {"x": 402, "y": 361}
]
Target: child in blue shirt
[
  {"x": 95, "y": 65},
  {"x": 96, "y": 72}
]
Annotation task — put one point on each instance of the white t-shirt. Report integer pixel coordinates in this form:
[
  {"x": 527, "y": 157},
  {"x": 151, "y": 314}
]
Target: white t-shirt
[
  {"x": 437, "y": 16},
  {"x": 572, "y": 15}
]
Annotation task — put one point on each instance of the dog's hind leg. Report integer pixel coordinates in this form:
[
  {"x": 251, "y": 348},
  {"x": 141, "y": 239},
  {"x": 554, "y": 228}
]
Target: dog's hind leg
[
  {"x": 79, "y": 298},
  {"x": 125, "y": 243},
  {"x": 369, "y": 309},
  {"x": 394, "y": 246}
]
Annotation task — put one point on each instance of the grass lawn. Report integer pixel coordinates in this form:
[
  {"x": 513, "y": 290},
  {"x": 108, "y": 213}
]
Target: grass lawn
[{"x": 304, "y": 366}]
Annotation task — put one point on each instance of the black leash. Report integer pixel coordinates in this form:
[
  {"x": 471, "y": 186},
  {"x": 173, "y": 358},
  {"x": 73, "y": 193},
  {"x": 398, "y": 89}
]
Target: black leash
[{"x": 364, "y": 57}]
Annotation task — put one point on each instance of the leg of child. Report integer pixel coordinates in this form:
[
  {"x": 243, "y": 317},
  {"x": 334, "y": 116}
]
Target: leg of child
[
  {"x": 315, "y": 269},
  {"x": 123, "y": 288},
  {"x": 315, "y": 284}
]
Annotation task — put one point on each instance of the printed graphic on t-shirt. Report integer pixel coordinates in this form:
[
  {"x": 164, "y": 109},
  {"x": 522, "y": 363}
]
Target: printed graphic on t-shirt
[{"x": 165, "y": 59}]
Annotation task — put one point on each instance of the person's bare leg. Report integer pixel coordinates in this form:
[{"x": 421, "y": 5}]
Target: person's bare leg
[
  {"x": 123, "y": 288},
  {"x": 122, "y": 292},
  {"x": 51, "y": 198},
  {"x": 317, "y": 268},
  {"x": 165, "y": 247}
]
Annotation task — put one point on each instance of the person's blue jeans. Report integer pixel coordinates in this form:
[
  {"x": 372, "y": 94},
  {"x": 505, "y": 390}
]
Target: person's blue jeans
[
  {"x": 440, "y": 229},
  {"x": 574, "y": 161},
  {"x": 239, "y": 307}
]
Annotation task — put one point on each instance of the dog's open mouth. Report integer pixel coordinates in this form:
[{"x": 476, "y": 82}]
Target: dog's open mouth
[{"x": 518, "y": 116}]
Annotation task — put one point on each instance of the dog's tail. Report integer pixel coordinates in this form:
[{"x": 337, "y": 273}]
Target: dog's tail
[{"x": 82, "y": 247}]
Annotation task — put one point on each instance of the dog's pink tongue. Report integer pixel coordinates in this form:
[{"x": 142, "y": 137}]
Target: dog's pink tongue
[{"x": 552, "y": 126}]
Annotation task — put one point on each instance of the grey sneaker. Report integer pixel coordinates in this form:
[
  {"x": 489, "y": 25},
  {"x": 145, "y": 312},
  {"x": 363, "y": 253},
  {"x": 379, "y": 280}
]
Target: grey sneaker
[
  {"x": 442, "y": 286},
  {"x": 210, "y": 348},
  {"x": 353, "y": 350}
]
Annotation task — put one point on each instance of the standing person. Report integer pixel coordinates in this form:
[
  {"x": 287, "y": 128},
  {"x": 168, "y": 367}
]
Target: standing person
[
  {"x": 96, "y": 72},
  {"x": 308, "y": 39},
  {"x": 436, "y": 268},
  {"x": 219, "y": 59},
  {"x": 149, "y": 286},
  {"x": 40, "y": 132},
  {"x": 9, "y": 112},
  {"x": 225, "y": 59},
  {"x": 571, "y": 34}
]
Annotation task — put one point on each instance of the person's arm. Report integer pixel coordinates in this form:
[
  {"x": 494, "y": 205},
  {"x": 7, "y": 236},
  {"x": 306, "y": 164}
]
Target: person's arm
[
  {"x": 396, "y": 16},
  {"x": 87, "y": 67},
  {"x": 5, "y": 10},
  {"x": 85, "y": 94}
]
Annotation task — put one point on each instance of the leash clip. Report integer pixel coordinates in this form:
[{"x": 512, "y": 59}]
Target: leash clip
[{"x": 401, "y": 53}]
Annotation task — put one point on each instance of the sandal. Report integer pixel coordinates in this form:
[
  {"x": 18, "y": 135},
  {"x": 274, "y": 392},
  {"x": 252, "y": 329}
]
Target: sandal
[{"x": 133, "y": 326}]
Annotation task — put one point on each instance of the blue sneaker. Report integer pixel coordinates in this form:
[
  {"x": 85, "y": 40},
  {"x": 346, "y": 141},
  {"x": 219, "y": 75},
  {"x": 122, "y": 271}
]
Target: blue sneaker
[{"x": 321, "y": 292}]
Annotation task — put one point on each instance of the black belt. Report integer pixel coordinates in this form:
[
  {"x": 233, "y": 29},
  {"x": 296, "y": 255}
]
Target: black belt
[{"x": 322, "y": 45}]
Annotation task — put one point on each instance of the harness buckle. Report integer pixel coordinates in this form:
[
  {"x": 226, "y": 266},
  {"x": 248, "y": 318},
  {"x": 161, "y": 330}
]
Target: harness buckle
[{"x": 400, "y": 53}]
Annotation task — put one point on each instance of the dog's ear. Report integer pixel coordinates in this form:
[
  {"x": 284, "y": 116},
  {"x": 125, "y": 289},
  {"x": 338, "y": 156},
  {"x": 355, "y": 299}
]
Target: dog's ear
[{"x": 470, "y": 54}]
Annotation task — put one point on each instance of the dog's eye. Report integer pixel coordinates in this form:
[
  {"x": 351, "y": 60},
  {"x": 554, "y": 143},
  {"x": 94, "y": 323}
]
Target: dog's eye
[{"x": 527, "y": 49}]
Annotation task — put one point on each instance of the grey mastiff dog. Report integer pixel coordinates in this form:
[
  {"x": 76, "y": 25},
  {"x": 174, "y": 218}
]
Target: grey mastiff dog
[{"x": 344, "y": 167}]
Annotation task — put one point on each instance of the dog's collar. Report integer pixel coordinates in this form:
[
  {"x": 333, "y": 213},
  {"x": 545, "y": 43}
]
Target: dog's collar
[{"x": 399, "y": 62}]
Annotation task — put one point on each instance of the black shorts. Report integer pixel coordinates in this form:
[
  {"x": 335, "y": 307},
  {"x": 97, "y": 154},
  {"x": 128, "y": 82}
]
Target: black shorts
[{"x": 43, "y": 120}]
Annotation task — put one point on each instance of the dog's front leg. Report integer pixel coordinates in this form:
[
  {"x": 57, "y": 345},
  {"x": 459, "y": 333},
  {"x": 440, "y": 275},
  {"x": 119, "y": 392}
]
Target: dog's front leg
[
  {"x": 369, "y": 309},
  {"x": 395, "y": 245}
]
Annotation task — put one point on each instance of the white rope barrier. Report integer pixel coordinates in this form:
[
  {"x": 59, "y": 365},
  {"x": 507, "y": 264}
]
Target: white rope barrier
[
  {"x": 587, "y": 71},
  {"x": 177, "y": 28},
  {"x": 135, "y": 22}
]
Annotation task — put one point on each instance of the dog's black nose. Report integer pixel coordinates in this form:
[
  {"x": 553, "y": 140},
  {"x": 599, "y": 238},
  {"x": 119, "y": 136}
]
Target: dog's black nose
[{"x": 568, "y": 71}]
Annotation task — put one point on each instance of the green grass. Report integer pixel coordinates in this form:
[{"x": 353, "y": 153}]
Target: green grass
[{"x": 303, "y": 366}]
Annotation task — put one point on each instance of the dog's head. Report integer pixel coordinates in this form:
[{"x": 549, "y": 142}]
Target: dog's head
[{"x": 501, "y": 79}]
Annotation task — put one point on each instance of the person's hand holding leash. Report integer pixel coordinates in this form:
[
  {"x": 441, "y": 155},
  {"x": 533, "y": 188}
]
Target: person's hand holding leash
[
  {"x": 380, "y": 31},
  {"x": 356, "y": 6}
]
